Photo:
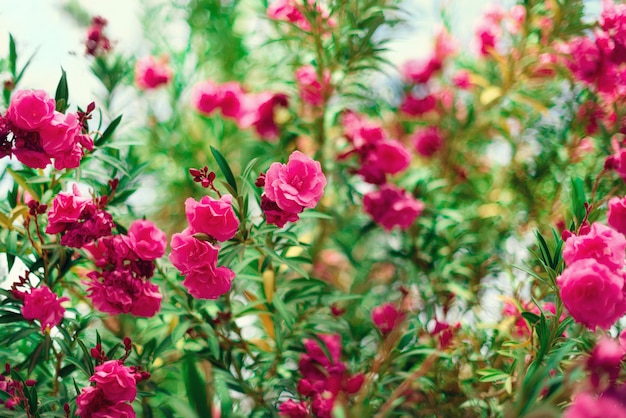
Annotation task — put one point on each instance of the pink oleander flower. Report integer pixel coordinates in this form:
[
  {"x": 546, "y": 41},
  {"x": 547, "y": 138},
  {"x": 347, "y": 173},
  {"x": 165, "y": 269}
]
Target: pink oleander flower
[
  {"x": 66, "y": 208},
  {"x": 427, "y": 141},
  {"x": 214, "y": 217},
  {"x": 420, "y": 71},
  {"x": 205, "y": 97},
  {"x": 617, "y": 214},
  {"x": 487, "y": 35},
  {"x": 151, "y": 72},
  {"x": 259, "y": 112},
  {"x": 274, "y": 215},
  {"x": 461, "y": 79},
  {"x": 147, "y": 302},
  {"x": 592, "y": 293},
  {"x": 30, "y": 109},
  {"x": 209, "y": 282},
  {"x": 517, "y": 14},
  {"x": 116, "y": 381},
  {"x": 392, "y": 206},
  {"x": 232, "y": 100},
  {"x": 310, "y": 88},
  {"x": 189, "y": 253},
  {"x": 386, "y": 317},
  {"x": 418, "y": 106},
  {"x": 586, "y": 60},
  {"x": 296, "y": 185},
  {"x": 605, "y": 360},
  {"x": 60, "y": 134},
  {"x": 147, "y": 240},
  {"x": 601, "y": 243},
  {"x": 43, "y": 305},
  {"x": 384, "y": 157},
  {"x": 361, "y": 131},
  {"x": 97, "y": 43},
  {"x": 292, "y": 409},
  {"x": 587, "y": 405},
  {"x": 613, "y": 21},
  {"x": 287, "y": 10},
  {"x": 29, "y": 150}
]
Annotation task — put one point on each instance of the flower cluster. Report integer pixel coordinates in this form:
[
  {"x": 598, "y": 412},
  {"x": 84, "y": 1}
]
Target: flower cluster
[
  {"x": 387, "y": 317},
  {"x": 605, "y": 397},
  {"x": 15, "y": 389},
  {"x": 427, "y": 141},
  {"x": 97, "y": 42},
  {"x": 35, "y": 133},
  {"x": 420, "y": 71},
  {"x": 592, "y": 284},
  {"x": 291, "y": 187},
  {"x": 292, "y": 11},
  {"x": 246, "y": 109},
  {"x": 312, "y": 90},
  {"x": 126, "y": 264},
  {"x": 378, "y": 154},
  {"x": 43, "y": 305},
  {"x": 151, "y": 72},
  {"x": 323, "y": 379},
  {"x": 391, "y": 206},
  {"x": 115, "y": 387},
  {"x": 195, "y": 250},
  {"x": 79, "y": 219}
]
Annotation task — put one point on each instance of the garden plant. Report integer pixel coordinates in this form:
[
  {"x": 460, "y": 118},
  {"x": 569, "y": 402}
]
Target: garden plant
[{"x": 285, "y": 224}]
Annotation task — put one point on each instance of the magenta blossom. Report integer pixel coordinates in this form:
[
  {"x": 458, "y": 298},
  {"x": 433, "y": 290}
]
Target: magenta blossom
[
  {"x": 386, "y": 317},
  {"x": 147, "y": 240},
  {"x": 116, "y": 381},
  {"x": 296, "y": 185},
  {"x": 214, "y": 217},
  {"x": 151, "y": 72},
  {"x": 601, "y": 243},
  {"x": 43, "y": 305},
  {"x": 391, "y": 207},
  {"x": 592, "y": 293},
  {"x": 30, "y": 109}
]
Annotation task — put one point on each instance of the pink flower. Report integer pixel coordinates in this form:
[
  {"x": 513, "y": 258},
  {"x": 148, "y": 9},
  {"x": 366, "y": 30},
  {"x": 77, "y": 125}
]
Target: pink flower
[
  {"x": 291, "y": 409},
  {"x": 43, "y": 305},
  {"x": 391, "y": 207},
  {"x": 147, "y": 240},
  {"x": 59, "y": 134},
  {"x": 209, "y": 283},
  {"x": 259, "y": 113},
  {"x": 274, "y": 215},
  {"x": 30, "y": 109},
  {"x": 386, "y": 317},
  {"x": 420, "y": 71},
  {"x": 66, "y": 209},
  {"x": 97, "y": 43},
  {"x": 601, "y": 243},
  {"x": 151, "y": 72},
  {"x": 384, "y": 157},
  {"x": 427, "y": 141},
  {"x": 205, "y": 97},
  {"x": 585, "y": 59},
  {"x": 486, "y": 38},
  {"x": 311, "y": 89},
  {"x": 586, "y": 405},
  {"x": 214, "y": 217},
  {"x": 189, "y": 253},
  {"x": 592, "y": 293},
  {"x": 287, "y": 10},
  {"x": 296, "y": 185},
  {"x": 231, "y": 99},
  {"x": 148, "y": 302},
  {"x": 116, "y": 381},
  {"x": 605, "y": 359},
  {"x": 361, "y": 131},
  {"x": 617, "y": 214},
  {"x": 418, "y": 106},
  {"x": 462, "y": 79}
]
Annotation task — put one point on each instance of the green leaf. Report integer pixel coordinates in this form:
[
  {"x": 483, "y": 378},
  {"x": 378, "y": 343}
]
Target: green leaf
[
  {"x": 12, "y": 56},
  {"x": 23, "y": 183},
  {"x": 108, "y": 132},
  {"x": 62, "y": 93},
  {"x": 196, "y": 388},
  {"x": 223, "y": 164}
]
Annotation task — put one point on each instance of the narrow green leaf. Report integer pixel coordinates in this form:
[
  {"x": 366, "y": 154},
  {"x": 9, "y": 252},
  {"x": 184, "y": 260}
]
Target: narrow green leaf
[
  {"x": 108, "y": 132},
  {"x": 223, "y": 164},
  {"x": 62, "y": 93},
  {"x": 12, "y": 56},
  {"x": 196, "y": 388}
]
